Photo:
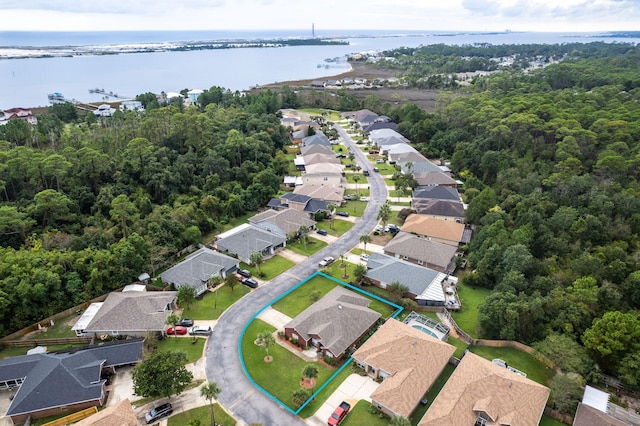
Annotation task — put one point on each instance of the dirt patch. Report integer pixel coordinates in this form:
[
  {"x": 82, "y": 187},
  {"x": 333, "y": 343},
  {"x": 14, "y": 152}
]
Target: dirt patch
[
  {"x": 382, "y": 239},
  {"x": 268, "y": 358},
  {"x": 307, "y": 383}
]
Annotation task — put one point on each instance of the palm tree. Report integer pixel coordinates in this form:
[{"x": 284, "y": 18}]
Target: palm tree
[
  {"x": 364, "y": 239},
  {"x": 256, "y": 260},
  {"x": 210, "y": 391},
  {"x": 310, "y": 372},
  {"x": 399, "y": 193},
  {"x": 384, "y": 213},
  {"x": 356, "y": 179},
  {"x": 300, "y": 396},
  {"x": 303, "y": 231},
  {"x": 265, "y": 339}
]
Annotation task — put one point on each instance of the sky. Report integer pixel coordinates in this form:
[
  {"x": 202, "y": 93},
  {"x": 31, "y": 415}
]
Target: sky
[{"x": 404, "y": 15}]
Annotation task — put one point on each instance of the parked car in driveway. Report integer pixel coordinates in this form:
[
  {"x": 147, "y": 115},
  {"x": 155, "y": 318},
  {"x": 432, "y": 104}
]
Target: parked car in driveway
[
  {"x": 177, "y": 330},
  {"x": 158, "y": 412},
  {"x": 343, "y": 214},
  {"x": 364, "y": 198},
  {"x": 364, "y": 257},
  {"x": 244, "y": 273},
  {"x": 321, "y": 231},
  {"x": 250, "y": 282},
  {"x": 186, "y": 322},
  {"x": 349, "y": 197},
  {"x": 200, "y": 330}
]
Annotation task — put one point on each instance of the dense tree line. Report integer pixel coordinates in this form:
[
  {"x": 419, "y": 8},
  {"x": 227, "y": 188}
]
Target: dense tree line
[
  {"x": 88, "y": 205},
  {"x": 550, "y": 163}
]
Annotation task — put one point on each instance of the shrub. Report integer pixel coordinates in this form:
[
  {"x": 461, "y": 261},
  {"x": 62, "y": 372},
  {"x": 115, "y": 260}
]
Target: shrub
[{"x": 332, "y": 362}]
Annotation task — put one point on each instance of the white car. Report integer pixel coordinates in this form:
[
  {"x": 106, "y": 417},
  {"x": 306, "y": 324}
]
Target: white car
[
  {"x": 200, "y": 330},
  {"x": 326, "y": 261},
  {"x": 364, "y": 198},
  {"x": 364, "y": 257}
]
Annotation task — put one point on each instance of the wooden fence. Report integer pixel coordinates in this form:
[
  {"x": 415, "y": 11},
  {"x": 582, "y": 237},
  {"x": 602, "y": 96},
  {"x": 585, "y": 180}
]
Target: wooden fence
[
  {"x": 45, "y": 342},
  {"x": 463, "y": 335},
  {"x": 516, "y": 345},
  {"x": 74, "y": 417}
]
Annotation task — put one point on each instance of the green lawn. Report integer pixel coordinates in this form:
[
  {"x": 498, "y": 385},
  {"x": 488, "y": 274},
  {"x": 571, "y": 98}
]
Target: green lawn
[
  {"x": 208, "y": 308},
  {"x": 548, "y": 421},
  {"x": 354, "y": 208},
  {"x": 233, "y": 222},
  {"x": 203, "y": 414},
  {"x": 60, "y": 329},
  {"x": 313, "y": 246},
  {"x": 390, "y": 182},
  {"x": 363, "y": 179},
  {"x": 459, "y": 344},
  {"x": 336, "y": 229},
  {"x": 385, "y": 169},
  {"x": 361, "y": 416},
  {"x": 534, "y": 369},
  {"x": 281, "y": 377},
  {"x": 401, "y": 204},
  {"x": 183, "y": 344},
  {"x": 418, "y": 413},
  {"x": 22, "y": 350},
  {"x": 326, "y": 392},
  {"x": 362, "y": 192},
  {"x": 467, "y": 317},
  {"x": 332, "y": 115},
  {"x": 271, "y": 268}
]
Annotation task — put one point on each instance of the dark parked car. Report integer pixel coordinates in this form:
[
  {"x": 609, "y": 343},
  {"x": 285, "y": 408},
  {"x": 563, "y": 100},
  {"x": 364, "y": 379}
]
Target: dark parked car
[
  {"x": 158, "y": 412},
  {"x": 186, "y": 322},
  {"x": 321, "y": 232},
  {"x": 343, "y": 214},
  {"x": 250, "y": 282},
  {"x": 244, "y": 273},
  {"x": 177, "y": 330},
  {"x": 377, "y": 170}
]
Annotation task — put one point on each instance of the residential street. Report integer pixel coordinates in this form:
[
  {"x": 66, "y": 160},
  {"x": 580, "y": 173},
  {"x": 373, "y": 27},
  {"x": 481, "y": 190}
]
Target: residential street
[{"x": 239, "y": 397}]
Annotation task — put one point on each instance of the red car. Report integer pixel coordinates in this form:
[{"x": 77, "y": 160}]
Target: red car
[{"x": 178, "y": 330}]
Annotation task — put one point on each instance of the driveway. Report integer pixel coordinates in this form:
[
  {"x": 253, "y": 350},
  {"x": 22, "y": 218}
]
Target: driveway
[
  {"x": 239, "y": 396},
  {"x": 352, "y": 390}
]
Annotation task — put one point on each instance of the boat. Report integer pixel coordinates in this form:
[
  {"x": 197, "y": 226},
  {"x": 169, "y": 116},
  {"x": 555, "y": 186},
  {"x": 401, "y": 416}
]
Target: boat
[{"x": 56, "y": 98}]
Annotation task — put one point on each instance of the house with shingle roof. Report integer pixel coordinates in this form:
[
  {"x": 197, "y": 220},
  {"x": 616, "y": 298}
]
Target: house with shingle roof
[
  {"x": 422, "y": 251},
  {"x": 418, "y": 167},
  {"x": 246, "y": 239},
  {"x": 320, "y": 158},
  {"x": 407, "y": 360},
  {"x": 323, "y": 174},
  {"x": 424, "y": 285},
  {"x": 318, "y": 139},
  {"x": 380, "y": 125},
  {"x": 382, "y": 134},
  {"x": 440, "y": 209},
  {"x": 437, "y": 192},
  {"x": 282, "y": 222},
  {"x": 403, "y": 157},
  {"x": 199, "y": 267},
  {"x": 54, "y": 383},
  {"x": 304, "y": 203},
  {"x": 120, "y": 414},
  {"x": 441, "y": 231},
  {"x": 316, "y": 149},
  {"x": 435, "y": 178},
  {"x": 334, "y": 323},
  {"x": 481, "y": 392},
  {"x": 330, "y": 194},
  {"x": 130, "y": 313}
]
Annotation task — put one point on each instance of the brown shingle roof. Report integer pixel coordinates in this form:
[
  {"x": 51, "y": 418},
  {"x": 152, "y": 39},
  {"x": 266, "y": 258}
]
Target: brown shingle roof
[
  {"x": 414, "y": 359},
  {"x": 478, "y": 384},
  {"x": 339, "y": 318},
  {"x": 333, "y": 194},
  {"x": 589, "y": 416},
  {"x": 436, "y": 228},
  {"x": 414, "y": 247},
  {"x": 120, "y": 414}
]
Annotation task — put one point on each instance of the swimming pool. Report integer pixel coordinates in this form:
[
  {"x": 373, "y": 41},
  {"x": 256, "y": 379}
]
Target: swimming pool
[{"x": 425, "y": 330}]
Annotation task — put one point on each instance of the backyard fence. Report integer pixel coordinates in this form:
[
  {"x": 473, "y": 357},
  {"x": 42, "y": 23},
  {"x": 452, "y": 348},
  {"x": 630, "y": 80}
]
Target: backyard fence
[
  {"x": 463, "y": 335},
  {"x": 45, "y": 342},
  {"x": 516, "y": 345}
]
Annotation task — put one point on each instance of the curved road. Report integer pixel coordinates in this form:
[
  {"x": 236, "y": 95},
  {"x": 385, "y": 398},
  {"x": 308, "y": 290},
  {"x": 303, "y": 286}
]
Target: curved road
[{"x": 247, "y": 403}]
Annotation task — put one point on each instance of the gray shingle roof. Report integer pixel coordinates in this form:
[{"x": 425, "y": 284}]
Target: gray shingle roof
[
  {"x": 249, "y": 240},
  {"x": 314, "y": 206},
  {"x": 433, "y": 178},
  {"x": 283, "y": 221},
  {"x": 423, "y": 282},
  {"x": 419, "y": 167},
  {"x": 199, "y": 267},
  {"x": 414, "y": 247},
  {"x": 339, "y": 318},
  {"x": 296, "y": 198},
  {"x": 437, "y": 193},
  {"x": 318, "y": 139},
  {"x": 66, "y": 377},
  {"x": 133, "y": 311},
  {"x": 433, "y": 207},
  {"x": 316, "y": 149}
]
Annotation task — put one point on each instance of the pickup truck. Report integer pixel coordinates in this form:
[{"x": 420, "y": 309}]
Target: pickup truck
[{"x": 339, "y": 414}]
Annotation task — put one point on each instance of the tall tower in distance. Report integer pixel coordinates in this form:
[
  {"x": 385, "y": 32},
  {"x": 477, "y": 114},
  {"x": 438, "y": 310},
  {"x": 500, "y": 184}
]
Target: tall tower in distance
[{"x": 313, "y": 30}]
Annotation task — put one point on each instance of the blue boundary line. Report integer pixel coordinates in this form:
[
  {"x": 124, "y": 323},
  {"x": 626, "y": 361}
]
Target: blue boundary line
[{"x": 286, "y": 293}]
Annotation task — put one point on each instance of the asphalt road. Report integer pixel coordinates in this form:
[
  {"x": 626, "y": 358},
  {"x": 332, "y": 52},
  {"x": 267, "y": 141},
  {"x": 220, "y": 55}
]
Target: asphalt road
[{"x": 243, "y": 400}]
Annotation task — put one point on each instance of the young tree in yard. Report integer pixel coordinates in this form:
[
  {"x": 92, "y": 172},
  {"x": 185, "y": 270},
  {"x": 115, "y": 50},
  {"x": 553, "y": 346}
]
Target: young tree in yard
[
  {"x": 356, "y": 179},
  {"x": 231, "y": 280},
  {"x": 315, "y": 295},
  {"x": 332, "y": 208},
  {"x": 300, "y": 396},
  {"x": 210, "y": 391},
  {"x": 397, "y": 291},
  {"x": 303, "y": 231},
  {"x": 173, "y": 320},
  {"x": 186, "y": 296},
  {"x": 399, "y": 193},
  {"x": 256, "y": 260},
  {"x": 566, "y": 391},
  {"x": 384, "y": 214},
  {"x": 265, "y": 339},
  {"x": 310, "y": 372},
  {"x": 358, "y": 273},
  {"x": 162, "y": 374},
  {"x": 365, "y": 239}
]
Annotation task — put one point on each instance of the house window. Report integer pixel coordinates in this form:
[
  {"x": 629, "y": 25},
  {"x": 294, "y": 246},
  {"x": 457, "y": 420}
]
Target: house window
[
  {"x": 325, "y": 178},
  {"x": 481, "y": 420},
  {"x": 420, "y": 262}
]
